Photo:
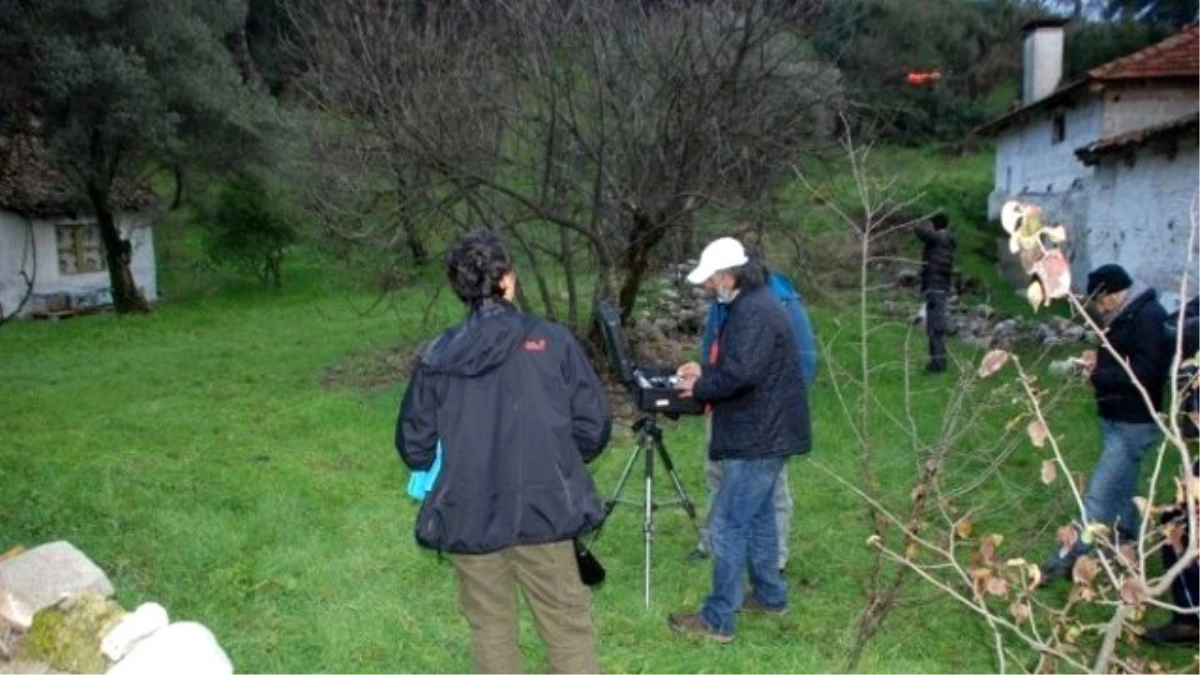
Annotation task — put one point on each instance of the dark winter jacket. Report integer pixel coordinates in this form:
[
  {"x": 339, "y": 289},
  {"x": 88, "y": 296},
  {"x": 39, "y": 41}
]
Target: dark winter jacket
[
  {"x": 1136, "y": 333},
  {"x": 519, "y": 409},
  {"x": 937, "y": 260},
  {"x": 785, "y": 292},
  {"x": 759, "y": 401}
]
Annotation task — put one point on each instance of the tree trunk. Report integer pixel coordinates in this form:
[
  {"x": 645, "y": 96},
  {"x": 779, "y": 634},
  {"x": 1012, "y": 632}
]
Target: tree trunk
[
  {"x": 647, "y": 232},
  {"x": 127, "y": 299},
  {"x": 239, "y": 49},
  {"x": 408, "y": 222}
]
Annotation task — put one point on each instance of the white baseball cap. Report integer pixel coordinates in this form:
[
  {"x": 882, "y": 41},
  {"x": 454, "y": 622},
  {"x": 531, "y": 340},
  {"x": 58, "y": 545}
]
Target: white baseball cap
[{"x": 723, "y": 254}]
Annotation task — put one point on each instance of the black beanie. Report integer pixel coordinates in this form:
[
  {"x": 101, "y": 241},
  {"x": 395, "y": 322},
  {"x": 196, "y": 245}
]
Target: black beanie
[{"x": 1107, "y": 279}]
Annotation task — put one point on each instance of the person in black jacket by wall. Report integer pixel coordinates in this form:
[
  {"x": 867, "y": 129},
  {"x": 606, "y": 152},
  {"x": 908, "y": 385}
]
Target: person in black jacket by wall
[
  {"x": 1133, "y": 321},
  {"x": 937, "y": 273},
  {"x": 760, "y": 418},
  {"x": 518, "y": 409}
]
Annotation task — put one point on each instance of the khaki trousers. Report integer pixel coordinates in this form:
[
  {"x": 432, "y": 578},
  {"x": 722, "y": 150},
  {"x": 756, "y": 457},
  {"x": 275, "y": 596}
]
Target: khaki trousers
[{"x": 548, "y": 577}]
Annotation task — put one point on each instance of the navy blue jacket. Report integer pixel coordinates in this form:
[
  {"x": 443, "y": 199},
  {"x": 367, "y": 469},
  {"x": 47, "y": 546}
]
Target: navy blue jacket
[
  {"x": 760, "y": 402},
  {"x": 519, "y": 409},
  {"x": 785, "y": 292}
]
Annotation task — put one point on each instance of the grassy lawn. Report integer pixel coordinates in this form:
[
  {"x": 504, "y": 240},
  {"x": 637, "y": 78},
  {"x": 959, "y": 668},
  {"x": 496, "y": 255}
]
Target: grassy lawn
[
  {"x": 201, "y": 457},
  {"x": 196, "y": 456}
]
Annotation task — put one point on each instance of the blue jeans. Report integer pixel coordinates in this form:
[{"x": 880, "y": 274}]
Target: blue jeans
[
  {"x": 743, "y": 534},
  {"x": 1113, "y": 483}
]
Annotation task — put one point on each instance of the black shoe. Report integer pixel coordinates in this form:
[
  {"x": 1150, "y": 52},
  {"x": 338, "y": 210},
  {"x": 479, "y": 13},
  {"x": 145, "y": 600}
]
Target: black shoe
[
  {"x": 696, "y": 555},
  {"x": 1057, "y": 567},
  {"x": 933, "y": 368},
  {"x": 1173, "y": 633}
]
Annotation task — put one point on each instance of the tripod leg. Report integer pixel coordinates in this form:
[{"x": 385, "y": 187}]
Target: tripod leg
[
  {"x": 669, "y": 465},
  {"x": 648, "y": 526},
  {"x": 616, "y": 495}
]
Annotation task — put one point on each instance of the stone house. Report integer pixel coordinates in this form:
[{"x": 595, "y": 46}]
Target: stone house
[
  {"x": 51, "y": 257},
  {"x": 1111, "y": 154}
]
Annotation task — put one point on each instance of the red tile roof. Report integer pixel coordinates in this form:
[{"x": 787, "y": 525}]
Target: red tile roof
[
  {"x": 1174, "y": 58},
  {"x": 1177, "y": 56},
  {"x": 1175, "y": 128},
  {"x": 33, "y": 187}
]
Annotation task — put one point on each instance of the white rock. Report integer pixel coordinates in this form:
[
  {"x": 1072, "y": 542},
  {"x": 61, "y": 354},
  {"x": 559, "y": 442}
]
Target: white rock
[
  {"x": 145, "y": 620},
  {"x": 40, "y": 577},
  {"x": 180, "y": 648}
]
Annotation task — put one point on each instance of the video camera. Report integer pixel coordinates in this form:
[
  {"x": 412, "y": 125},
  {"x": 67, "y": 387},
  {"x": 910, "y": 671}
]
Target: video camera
[{"x": 653, "y": 388}]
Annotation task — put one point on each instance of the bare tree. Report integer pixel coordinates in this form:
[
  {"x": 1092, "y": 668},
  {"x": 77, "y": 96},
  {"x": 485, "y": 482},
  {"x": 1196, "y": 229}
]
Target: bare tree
[
  {"x": 931, "y": 532},
  {"x": 587, "y": 131}
]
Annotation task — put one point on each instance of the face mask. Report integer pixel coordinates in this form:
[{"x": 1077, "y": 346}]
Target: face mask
[{"x": 725, "y": 295}]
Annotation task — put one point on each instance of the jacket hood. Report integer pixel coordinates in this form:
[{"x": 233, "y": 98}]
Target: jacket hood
[{"x": 479, "y": 344}]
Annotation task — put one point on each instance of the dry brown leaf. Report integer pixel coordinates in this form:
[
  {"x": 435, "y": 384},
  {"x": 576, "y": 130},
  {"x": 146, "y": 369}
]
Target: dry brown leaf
[
  {"x": 987, "y": 549},
  {"x": 1085, "y": 570},
  {"x": 1067, "y": 536},
  {"x": 1038, "y": 433},
  {"x": 963, "y": 528},
  {"x": 919, "y": 492},
  {"x": 979, "y": 578},
  {"x": 997, "y": 586},
  {"x": 1048, "y": 471},
  {"x": 910, "y": 551},
  {"x": 1131, "y": 591},
  {"x": 1020, "y": 611},
  {"x": 1055, "y": 274},
  {"x": 992, "y": 362}
]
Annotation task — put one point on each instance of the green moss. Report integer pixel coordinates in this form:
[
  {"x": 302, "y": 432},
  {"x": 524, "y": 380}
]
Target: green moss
[{"x": 67, "y": 636}]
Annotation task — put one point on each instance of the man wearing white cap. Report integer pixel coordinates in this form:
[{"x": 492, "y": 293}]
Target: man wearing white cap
[{"x": 759, "y": 409}]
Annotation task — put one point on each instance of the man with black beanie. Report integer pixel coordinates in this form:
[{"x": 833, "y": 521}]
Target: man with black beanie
[{"x": 1133, "y": 321}]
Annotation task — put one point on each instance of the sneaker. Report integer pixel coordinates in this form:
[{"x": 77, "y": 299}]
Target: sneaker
[
  {"x": 1173, "y": 633},
  {"x": 694, "y": 624},
  {"x": 752, "y": 605},
  {"x": 696, "y": 555}
]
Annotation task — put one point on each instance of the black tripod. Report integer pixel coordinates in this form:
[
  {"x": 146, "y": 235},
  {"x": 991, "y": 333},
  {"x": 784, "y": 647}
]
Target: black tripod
[{"x": 649, "y": 444}]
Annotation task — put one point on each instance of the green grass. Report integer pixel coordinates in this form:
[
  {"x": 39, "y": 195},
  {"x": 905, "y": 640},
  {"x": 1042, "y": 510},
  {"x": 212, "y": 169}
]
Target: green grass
[{"x": 196, "y": 455}]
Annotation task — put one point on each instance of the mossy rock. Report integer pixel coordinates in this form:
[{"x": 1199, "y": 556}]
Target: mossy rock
[{"x": 67, "y": 636}]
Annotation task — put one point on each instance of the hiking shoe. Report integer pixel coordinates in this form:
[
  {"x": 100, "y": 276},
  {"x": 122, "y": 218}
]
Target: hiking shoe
[
  {"x": 694, "y": 624},
  {"x": 1173, "y": 633},
  {"x": 752, "y": 605}
]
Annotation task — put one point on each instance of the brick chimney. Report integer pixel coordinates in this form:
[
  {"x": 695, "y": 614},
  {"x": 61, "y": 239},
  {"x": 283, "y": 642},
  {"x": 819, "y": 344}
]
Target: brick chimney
[{"x": 1042, "y": 62}]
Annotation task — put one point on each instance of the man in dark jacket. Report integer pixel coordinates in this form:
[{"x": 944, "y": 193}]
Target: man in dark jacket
[
  {"x": 806, "y": 346},
  {"x": 518, "y": 410},
  {"x": 937, "y": 270},
  {"x": 1133, "y": 321},
  {"x": 759, "y": 419}
]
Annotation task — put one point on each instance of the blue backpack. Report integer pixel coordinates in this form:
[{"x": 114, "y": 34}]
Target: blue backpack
[{"x": 785, "y": 291}]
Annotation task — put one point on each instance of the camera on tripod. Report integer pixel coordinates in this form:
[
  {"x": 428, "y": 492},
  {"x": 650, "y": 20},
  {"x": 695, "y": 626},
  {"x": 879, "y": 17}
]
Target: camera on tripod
[{"x": 653, "y": 388}]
